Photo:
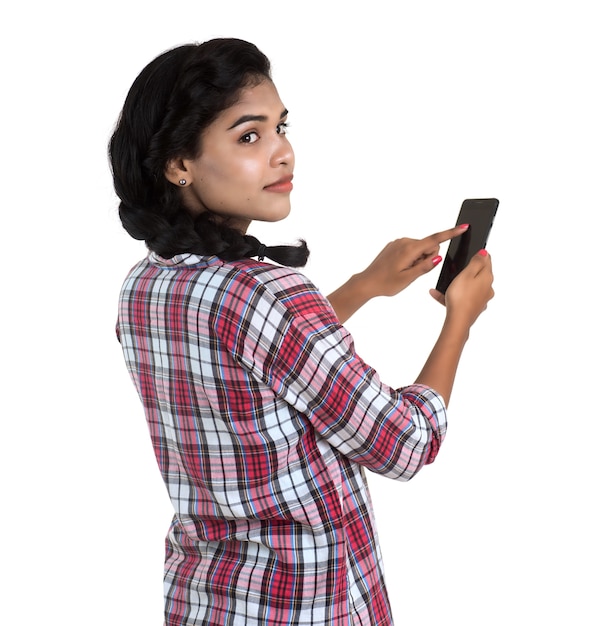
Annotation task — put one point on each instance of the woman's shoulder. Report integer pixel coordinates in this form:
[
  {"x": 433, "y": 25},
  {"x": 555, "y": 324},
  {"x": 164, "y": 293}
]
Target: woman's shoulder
[
  {"x": 285, "y": 285},
  {"x": 274, "y": 277},
  {"x": 250, "y": 297}
]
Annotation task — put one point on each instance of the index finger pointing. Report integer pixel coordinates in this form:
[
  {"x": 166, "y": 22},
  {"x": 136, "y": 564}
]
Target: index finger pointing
[{"x": 449, "y": 233}]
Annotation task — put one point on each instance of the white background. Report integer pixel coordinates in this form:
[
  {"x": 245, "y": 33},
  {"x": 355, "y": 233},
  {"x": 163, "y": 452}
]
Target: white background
[{"x": 399, "y": 111}]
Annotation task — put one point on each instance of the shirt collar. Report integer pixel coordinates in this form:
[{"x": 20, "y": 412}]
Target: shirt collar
[{"x": 179, "y": 260}]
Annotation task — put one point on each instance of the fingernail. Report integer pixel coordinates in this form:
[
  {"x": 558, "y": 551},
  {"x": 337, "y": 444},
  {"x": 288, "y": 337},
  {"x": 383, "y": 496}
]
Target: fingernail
[
  {"x": 482, "y": 252},
  {"x": 436, "y": 260},
  {"x": 464, "y": 225}
]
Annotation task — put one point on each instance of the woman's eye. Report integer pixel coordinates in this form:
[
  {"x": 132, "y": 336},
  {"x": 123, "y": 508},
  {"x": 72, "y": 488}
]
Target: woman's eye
[
  {"x": 282, "y": 128},
  {"x": 250, "y": 137}
]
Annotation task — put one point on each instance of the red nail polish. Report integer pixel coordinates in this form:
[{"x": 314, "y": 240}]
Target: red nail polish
[
  {"x": 482, "y": 252},
  {"x": 436, "y": 260},
  {"x": 464, "y": 226}
]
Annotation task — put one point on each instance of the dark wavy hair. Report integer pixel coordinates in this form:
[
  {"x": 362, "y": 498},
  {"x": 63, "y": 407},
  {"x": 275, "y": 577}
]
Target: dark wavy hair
[{"x": 174, "y": 98}]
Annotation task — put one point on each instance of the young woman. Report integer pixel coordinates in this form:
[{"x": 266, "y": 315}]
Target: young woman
[{"x": 261, "y": 414}]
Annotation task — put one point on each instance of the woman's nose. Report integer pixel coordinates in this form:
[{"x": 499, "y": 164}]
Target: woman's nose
[{"x": 283, "y": 153}]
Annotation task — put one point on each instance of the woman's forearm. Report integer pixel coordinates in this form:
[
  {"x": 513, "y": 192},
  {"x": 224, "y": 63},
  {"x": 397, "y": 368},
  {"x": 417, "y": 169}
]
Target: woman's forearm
[
  {"x": 350, "y": 297},
  {"x": 440, "y": 368}
]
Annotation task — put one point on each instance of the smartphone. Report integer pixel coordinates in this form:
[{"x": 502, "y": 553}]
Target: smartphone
[{"x": 479, "y": 214}]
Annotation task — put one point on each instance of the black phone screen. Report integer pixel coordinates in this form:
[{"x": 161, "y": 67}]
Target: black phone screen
[{"x": 479, "y": 215}]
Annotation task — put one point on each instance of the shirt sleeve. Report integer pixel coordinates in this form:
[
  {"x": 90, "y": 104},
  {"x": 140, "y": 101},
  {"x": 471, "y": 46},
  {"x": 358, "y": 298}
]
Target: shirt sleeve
[{"x": 295, "y": 345}]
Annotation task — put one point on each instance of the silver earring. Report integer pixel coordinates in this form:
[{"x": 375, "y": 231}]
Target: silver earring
[{"x": 182, "y": 182}]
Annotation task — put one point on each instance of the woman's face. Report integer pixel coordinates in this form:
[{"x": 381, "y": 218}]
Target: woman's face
[{"x": 246, "y": 164}]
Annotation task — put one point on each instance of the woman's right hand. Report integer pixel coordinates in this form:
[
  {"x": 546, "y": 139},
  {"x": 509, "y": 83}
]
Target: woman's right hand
[
  {"x": 465, "y": 299},
  {"x": 467, "y": 296}
]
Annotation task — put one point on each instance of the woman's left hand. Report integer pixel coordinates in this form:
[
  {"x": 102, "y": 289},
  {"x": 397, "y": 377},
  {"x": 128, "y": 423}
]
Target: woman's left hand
[
  {"x": 399, "y": 263},
  {"x": 402, "y": 261}
]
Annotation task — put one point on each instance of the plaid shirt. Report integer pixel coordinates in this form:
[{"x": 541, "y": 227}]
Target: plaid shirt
[{"x": 262, "y": 418}]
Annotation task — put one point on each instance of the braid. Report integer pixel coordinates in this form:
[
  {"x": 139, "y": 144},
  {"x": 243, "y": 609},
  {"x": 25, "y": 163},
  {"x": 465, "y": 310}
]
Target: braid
[
  {"x": 231, "y": 245},
  {"x": 293, "y": 256},
  {"x": 171, "y": 102}
]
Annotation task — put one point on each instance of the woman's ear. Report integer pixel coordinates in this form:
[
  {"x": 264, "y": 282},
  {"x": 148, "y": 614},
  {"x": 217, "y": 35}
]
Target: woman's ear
[{"x": 176, "y": 172}]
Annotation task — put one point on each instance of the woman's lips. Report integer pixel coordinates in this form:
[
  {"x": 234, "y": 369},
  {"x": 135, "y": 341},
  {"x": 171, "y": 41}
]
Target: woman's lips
[{"x": 284, "y": 185}]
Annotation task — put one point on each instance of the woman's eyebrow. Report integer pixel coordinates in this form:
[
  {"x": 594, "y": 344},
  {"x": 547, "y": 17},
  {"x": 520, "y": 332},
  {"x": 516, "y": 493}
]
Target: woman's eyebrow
[{"x": 254, "y": 118}]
